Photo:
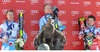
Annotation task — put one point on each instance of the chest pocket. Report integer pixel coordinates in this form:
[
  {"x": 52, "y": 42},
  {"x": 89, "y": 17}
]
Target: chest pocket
[
  {"x": 14, "y": 27},
  {"x": 14, "y": 31}
]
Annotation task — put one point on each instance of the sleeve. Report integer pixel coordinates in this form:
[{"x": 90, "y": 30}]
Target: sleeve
[
  {"x": 61, "y": 27},
  {"x": 1, "y": 31},
  {"x": 24, "y": 36},
  {"x": 98, "y": 31},
  {"x": 41, "y": 24}
]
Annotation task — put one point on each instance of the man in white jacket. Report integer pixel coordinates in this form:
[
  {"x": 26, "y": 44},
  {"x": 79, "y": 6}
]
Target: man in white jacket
[
  {"x": 10, "y": 30},
  {"x": 90, "y": 30}
]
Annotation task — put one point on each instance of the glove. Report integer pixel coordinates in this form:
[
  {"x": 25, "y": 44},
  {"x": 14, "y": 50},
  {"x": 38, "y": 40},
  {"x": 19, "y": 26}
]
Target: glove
[{"x": 20, "y": 41}]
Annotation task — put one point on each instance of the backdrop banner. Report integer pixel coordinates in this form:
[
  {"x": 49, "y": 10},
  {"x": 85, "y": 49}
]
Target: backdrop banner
[{"x": 69, "y": 12}]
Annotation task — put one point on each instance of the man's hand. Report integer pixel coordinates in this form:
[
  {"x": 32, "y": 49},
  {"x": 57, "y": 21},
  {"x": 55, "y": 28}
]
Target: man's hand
[
  {"x": 5, "y": 38},
  {"x": 82, "y": 26},
  {"x": 89, "y": 34},
  {"x": 20, "y": 41}
]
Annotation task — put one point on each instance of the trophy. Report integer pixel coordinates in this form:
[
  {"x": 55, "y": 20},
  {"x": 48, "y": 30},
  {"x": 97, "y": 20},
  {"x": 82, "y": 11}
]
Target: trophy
[{"x": 82, "y": 23}]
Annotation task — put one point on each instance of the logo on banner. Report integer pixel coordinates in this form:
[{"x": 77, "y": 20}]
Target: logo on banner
[
  {"x": 20, "y": 11},
  {"x": 60, "y": 2},
  {"x": 74, "y": 23},
  {"x": 74, "y": 3},
  {"x": 20, "y": 1},
  {"x": 4, "y": 11},
  {"x": 76, "y": 43},
  {"x": 98, "y": 13},
  {"x": 98, "y": 23},
  {"x": 61, "y": 12},
  {"x": 87, "y": 3},
  {"x": 32, "y": 43},
  {"x": 34, "y": 33},
  {"x": 65, "y": 33},
  {"x": 73, "y": 13},
  {"x": 34, "y": 2},
  {"x": 3, "y": 21},
  {"x": 33, "y": 12},
  {"x": 86, "y": 13},
  {"x": 6, "y": 1},
  {"x": 75, "y": 32},
  {"x": 63, "y": 22},
  {"x": 33, "y": 22},
  {"x": 48, "y": 1},
  {"x": 97, "y": 4}
]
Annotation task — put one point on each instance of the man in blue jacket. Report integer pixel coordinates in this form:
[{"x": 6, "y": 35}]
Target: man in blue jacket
[{"x": 49, "y": 15}]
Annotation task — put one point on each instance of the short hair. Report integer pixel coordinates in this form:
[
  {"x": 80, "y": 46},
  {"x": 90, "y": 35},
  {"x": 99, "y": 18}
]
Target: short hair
[
  {"x": 9, "y": 11},
  {"x": 91, "y": 16},
  {"x": 46, "y": 5}
]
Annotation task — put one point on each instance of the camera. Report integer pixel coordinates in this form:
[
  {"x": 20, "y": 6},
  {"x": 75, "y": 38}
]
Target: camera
[{"x": 55, "y": 11}]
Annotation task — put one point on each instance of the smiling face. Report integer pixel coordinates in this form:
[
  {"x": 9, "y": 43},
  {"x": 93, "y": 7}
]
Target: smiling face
[
  {"x": 90, "y": 21},
  {"x": 47, "y": 9},
  {"x": 10, "y": 15}
]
